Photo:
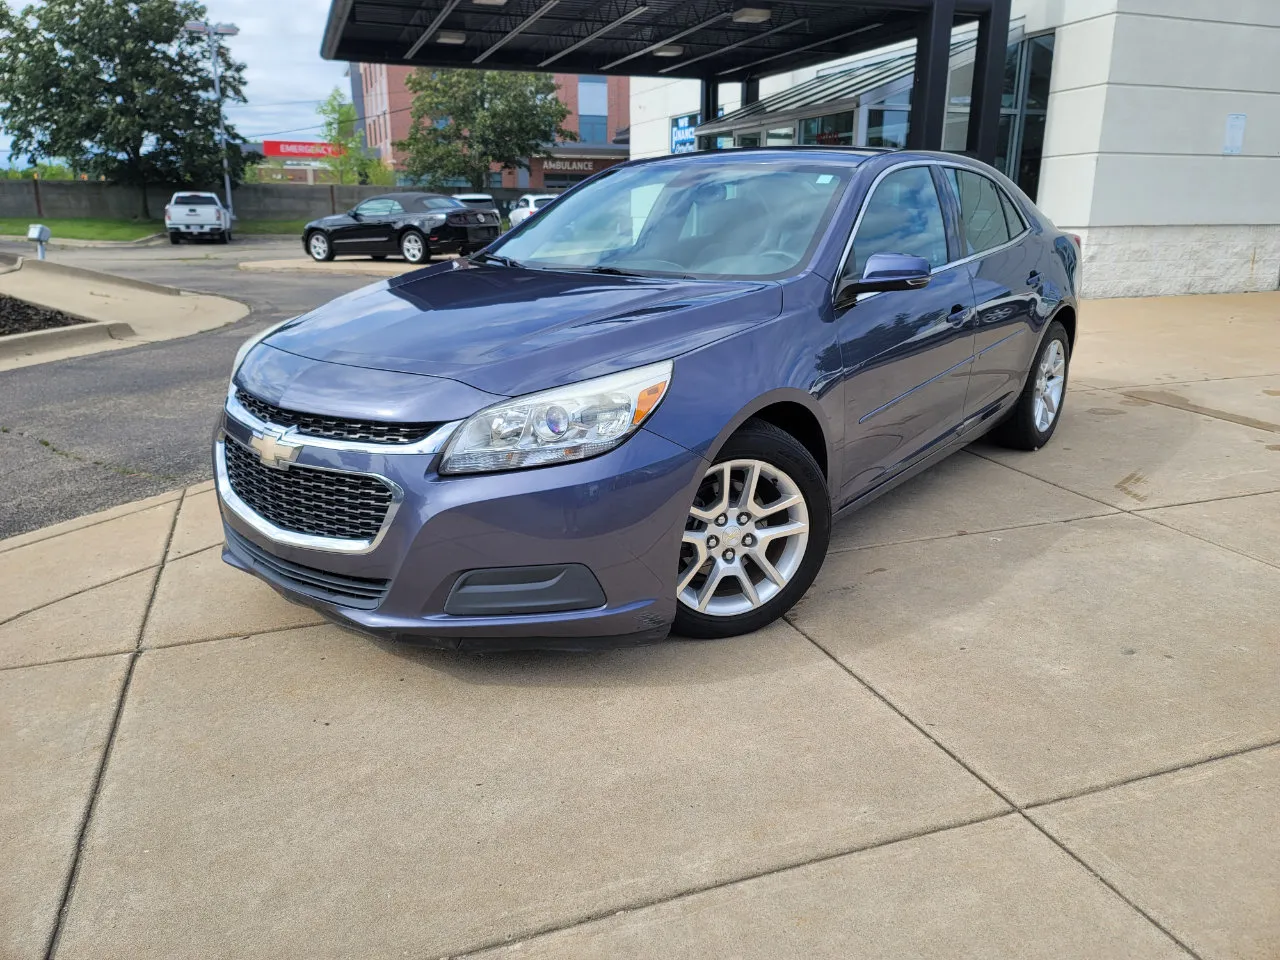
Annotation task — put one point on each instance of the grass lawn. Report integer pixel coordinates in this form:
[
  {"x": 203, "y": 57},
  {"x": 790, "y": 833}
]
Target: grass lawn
[{"x": 76, "y": 228}]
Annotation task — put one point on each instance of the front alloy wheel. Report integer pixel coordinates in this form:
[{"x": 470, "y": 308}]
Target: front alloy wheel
[
  {"x": 319, "y": 248},
  {"x": 755, "y": 536}
]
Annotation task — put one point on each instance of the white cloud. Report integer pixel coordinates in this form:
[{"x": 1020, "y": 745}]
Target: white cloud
[{"x": 279, "y": 43}]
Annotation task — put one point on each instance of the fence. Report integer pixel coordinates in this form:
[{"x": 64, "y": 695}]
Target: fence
[{"x": 35, "y": 199}]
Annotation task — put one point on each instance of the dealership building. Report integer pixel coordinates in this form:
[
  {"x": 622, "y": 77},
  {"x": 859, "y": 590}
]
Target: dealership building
[{"x": 1149, "y": 127}]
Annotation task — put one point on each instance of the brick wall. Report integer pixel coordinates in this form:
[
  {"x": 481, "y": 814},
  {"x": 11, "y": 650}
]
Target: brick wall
[{"x": 619, "y": 105}]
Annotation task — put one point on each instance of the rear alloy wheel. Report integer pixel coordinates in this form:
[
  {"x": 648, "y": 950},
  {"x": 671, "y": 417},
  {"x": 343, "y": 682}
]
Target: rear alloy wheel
[
  {"x": 1035, "y": 416},
  {"x": 413, "y": 247},
  {"x": 755, "y": 537},
  {"x": 319, "y": 247}
]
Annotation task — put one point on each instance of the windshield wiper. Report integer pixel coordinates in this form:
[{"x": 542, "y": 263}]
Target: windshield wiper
[
  {"x": 495, "y": 258},
  {"x": 654, "y": 275}
]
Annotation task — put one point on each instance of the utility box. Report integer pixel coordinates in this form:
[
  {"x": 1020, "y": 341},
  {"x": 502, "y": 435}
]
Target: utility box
[{"x": 40, "y": 234}]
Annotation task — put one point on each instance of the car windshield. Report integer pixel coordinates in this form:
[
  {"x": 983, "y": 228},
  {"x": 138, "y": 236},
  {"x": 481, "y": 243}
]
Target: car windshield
[
  {"x": 194, "y": 200},
  {"x": 736, "y": 219}
]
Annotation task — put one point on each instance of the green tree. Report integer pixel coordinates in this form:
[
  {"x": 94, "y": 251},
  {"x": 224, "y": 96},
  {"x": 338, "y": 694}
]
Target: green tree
[
  {"x": 43, "y": 171},
  {"x": 464, "y": 120},
  {"x": 118, "y": 89},
  {"x": 356, "y": 164}
]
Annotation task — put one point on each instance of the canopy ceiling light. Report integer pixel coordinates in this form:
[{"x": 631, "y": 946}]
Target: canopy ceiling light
[
  {"x": 669, "y": 41},
  {"x": 431, "y": 28},
  {"x": 746, "y": 11},
  {"x": 741, "y": 43},
  {"x": 670, "y": 50},
  {"x": 452, "y": 37}
]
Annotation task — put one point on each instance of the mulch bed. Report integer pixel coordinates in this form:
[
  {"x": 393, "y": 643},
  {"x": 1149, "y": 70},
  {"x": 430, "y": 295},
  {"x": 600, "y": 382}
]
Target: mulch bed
[{"x": 18, "y": 316}]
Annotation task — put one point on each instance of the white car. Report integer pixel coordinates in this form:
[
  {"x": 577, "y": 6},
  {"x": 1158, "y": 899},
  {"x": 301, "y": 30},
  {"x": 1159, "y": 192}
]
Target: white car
[
  {"x": 528, "y": 205},
  {"x": 192, "y": 214}
]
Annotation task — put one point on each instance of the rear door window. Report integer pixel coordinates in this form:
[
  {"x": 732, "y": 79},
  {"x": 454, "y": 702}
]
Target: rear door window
[
  {"x": 902, "y": 216},
  {"x": 982, "y": 213}
]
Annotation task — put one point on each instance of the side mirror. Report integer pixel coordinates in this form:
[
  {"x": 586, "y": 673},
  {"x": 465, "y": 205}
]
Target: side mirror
[
  {"x": 353, "y": 214},
  {"x": 885, "y": 272}
]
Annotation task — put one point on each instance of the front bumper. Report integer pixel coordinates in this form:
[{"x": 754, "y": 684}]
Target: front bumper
[{"x": 619, "y": 515}]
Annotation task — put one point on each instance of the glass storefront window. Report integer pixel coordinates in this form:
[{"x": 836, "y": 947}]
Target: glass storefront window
[
  {"x": 836, "y": 128},
  {"x": 1040, "y": 54},
  {"x": 780, "y": 137},
  {"x": 748, "y": 139},
  {"x": 887, "y": 128}
]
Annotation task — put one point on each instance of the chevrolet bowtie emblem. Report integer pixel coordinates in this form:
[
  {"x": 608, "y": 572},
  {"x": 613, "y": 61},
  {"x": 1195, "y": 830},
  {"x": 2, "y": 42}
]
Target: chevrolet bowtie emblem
[{"x": 275, "y": 451}]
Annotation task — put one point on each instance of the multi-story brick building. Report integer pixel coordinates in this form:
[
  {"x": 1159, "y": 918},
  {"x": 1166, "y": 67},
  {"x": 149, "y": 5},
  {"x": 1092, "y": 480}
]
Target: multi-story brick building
[{"x": 600, "y": 108}]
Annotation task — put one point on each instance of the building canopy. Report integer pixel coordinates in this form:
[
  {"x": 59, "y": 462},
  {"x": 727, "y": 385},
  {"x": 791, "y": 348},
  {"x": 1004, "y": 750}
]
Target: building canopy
[{"x": 723, "y": 40}]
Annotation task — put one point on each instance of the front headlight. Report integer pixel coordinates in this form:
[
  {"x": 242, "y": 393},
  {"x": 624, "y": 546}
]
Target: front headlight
[
  {"x": 556, "y": 426},
  {"x": 252, "y": 342}
]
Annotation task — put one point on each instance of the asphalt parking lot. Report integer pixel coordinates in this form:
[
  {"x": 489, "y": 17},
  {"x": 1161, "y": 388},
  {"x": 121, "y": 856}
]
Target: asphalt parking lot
[
  {"x": 1030, "y": 708},
  {"x": 88, "y": 433}
]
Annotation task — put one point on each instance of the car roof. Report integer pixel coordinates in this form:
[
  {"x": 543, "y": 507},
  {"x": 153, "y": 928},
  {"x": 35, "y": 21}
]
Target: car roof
[
  {"x": 406, "y": 195},
  {"x": 473, "y": 196},
  {"x": 195, "y": 193}
]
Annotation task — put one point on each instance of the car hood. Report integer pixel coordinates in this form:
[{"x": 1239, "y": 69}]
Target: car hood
[
  {"x": 330, "y": 221},
  {"x": 339, "y": 390},
  {"x": 510, "y": 330}
]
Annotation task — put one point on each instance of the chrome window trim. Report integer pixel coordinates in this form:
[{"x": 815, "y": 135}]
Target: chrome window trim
[
  {"x": 857, "y": 222},
  {"x": 1026, "y": 229},
  {"x": 432, "y": 443},
  {"x": 291, "y": 538}
]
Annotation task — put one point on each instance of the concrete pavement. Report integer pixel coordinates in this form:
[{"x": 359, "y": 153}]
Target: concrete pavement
[{"x": 1030, "y": 708}]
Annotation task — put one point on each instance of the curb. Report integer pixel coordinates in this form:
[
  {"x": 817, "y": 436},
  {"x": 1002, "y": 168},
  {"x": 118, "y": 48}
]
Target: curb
[
  {"x": 71, "y": 242},
  {"x": 25, "y": 344},
  {"x": 61, "y": 269}
]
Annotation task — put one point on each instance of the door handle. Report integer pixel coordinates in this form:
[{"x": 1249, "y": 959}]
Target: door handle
[
  {"x": 958, "y": 315},
  {"x": 1033, "y": 278}
]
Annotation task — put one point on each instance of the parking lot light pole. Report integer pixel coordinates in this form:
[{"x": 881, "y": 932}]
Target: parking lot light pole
[{"x": 213, "y": 31}]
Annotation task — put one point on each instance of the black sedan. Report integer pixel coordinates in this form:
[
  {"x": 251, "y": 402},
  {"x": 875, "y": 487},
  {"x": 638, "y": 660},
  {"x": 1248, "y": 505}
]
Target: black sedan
[{"x": 414, "y": 225}]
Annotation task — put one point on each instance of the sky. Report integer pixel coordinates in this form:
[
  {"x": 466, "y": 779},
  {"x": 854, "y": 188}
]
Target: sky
[{"x": 279, "y": 43}]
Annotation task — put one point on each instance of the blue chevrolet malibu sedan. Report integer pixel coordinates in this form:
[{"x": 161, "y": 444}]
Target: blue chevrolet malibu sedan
[{"x": 641, "y": 410}]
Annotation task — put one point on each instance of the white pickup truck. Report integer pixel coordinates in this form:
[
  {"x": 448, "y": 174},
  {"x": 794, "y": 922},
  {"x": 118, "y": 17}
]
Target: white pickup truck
[{"x": 197, "y": 215}]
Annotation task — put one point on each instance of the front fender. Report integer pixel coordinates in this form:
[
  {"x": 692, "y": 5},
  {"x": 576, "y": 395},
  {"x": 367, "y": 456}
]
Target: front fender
[{"x": 794, "y": 358}]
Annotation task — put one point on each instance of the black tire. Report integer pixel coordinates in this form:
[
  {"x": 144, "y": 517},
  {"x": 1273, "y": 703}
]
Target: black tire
[
  {"x": 758, "y": 440},
  {"x": 175, "y": 238},
  {"x": 327, "y": 247},
  {"x": 224, "y": 236},
  {"x": 1019, "y": 430},
  {"x": 415, "y": 254}
]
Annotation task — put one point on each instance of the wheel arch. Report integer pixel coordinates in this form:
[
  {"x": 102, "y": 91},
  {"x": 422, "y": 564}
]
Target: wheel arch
[
  {"x": 792, "y": 410},
  {"x": 1066, "y": 315}
]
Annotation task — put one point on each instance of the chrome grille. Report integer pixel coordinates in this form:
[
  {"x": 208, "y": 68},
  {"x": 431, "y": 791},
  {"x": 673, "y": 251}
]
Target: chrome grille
[
  {"x": 321, "y": 503},
  {"x": 334, "y": 428},
  {"x": 360, "y": 592}
]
